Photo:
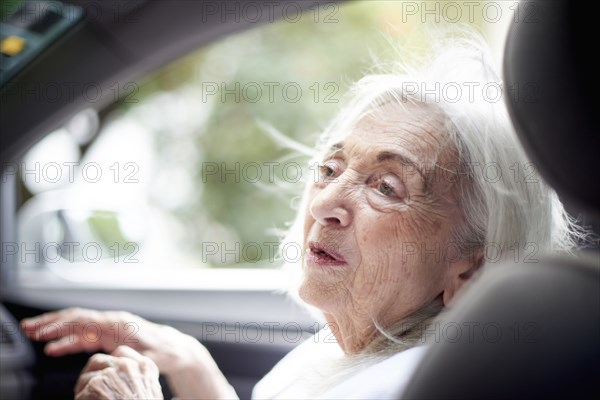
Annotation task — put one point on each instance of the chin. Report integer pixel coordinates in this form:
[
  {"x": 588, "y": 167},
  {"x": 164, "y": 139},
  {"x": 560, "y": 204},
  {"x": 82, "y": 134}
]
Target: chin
[{"x": 317, "y": 295}]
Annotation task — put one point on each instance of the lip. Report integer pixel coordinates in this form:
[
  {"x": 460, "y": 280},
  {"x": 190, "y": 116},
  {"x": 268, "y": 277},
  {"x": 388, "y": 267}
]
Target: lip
[{"x": 324, "y": 255}]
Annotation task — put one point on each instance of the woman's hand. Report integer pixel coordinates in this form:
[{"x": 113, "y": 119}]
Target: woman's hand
[
  {"x": 74, "y": 330},
  {"x": 188, "y": 366},
  {"x": 125, "y": 374}
]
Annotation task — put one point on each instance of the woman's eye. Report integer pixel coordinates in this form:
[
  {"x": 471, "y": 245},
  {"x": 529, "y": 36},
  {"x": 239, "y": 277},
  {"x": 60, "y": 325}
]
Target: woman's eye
[
  {"x": 329, "y": 170},
  {"x": 386, "y": 189},
  {"x": 389, "y": 185}
]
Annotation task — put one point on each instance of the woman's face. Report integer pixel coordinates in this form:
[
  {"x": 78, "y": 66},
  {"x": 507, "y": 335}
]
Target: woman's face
[{"x": 378, "y": 221}]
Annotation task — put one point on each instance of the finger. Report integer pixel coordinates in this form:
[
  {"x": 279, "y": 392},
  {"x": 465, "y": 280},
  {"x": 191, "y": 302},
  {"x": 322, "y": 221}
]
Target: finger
[
  {"x": 146, "y": 368},
  {"x": 34, "y": 326},
  {"x": 93, "y": 367},
  {"x": 98, "y": 362},
  {"x": 96, "y": 387},
  {"x": 140, "y": 376},
  {"x": 74, "y": 330},
  {"x": 51, "y": 331},
  {"x": 52, "y": 325},
  {"x": 52, "y": 316},
  {"x": 70, "y": 345},
  {"x": 117, "y": 373},
  {"x": 107, "y": 380},
  {"x": 146, "y": 363},
  {"x": 126, "y": 365},
  {"x": 121, "y": 382},
  {"x": 83, "y": 380},
  {"x": 40, "y": 319},
  {"x": 126, "y": 351},
  {"x": 63, "y": 346}
]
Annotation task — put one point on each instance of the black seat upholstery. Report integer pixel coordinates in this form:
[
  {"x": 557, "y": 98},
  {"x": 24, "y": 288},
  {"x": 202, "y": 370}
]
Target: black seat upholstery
[
  {"x": 533, "y": 330},
  {"x": 525, "y": 331}
]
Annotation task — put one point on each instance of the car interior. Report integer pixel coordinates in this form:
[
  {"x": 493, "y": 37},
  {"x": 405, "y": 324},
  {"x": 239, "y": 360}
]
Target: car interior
[{"x": 75, "y": 66}]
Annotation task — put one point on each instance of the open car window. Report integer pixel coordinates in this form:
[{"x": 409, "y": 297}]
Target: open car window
[{"x": 197, "y": 169}]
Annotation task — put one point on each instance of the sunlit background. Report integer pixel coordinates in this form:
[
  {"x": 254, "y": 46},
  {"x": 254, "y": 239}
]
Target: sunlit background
[{"x": 195, "y": 170}]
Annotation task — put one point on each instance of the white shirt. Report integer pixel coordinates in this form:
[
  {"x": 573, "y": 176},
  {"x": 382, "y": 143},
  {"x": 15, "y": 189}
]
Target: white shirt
[{"x": 309, "y": 371}]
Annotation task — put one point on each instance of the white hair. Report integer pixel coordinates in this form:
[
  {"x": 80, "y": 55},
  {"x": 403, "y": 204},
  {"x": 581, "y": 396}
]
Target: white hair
[{"x": 509, "y": 212}]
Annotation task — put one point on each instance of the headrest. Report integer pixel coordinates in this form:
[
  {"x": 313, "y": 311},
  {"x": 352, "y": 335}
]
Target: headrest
[{"x": 549, "y": 73}]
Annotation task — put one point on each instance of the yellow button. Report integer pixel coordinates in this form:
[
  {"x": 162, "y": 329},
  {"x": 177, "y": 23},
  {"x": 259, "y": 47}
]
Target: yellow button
[{"x": 12, "y": 45}]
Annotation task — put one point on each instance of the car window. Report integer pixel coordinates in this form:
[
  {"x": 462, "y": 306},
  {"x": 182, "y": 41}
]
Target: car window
[{"x": 200, "y": 164}]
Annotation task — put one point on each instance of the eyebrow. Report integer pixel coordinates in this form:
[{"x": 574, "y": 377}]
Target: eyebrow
[
  {"x": 387, "y": 156},
  {"x": 336, "y": 147},
  {"x": 402, "y": 159}
]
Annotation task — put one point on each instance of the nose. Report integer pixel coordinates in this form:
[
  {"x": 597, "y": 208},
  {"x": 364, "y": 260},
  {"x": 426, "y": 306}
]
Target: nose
[{"x": 331, "y": 205}]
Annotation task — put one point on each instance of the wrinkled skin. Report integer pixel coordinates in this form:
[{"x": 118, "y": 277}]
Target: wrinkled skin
[
  {"x": 125, "y": 374},
  {"x": 136, "y": 349},
  {"x": 74, "y": 330},
  {"x": 390, "y": 225}
]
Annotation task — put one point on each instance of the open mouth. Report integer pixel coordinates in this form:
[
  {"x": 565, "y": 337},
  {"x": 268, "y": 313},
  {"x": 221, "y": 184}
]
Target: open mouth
[{"x": 324, "y": 255}]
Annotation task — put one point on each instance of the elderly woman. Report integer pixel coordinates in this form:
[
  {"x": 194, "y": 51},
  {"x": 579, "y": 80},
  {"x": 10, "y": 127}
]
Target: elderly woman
[{"x": 420, "y": 179}]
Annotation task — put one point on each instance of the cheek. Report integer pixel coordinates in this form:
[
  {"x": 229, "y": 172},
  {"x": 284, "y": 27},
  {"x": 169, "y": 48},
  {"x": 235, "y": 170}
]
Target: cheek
[
  {"x": 396, "y": 256},
  {"x": 387, "y": 236},
  {"x": 380, "y": 265}
]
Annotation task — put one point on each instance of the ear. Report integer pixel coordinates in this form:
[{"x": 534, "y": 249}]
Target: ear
[{"x": 459, "y": 272}]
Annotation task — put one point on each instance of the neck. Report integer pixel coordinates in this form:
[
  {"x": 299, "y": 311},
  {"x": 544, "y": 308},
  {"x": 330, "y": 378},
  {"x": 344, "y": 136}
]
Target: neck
[
  {"x": 352, "y": 337},
  {"x": 357, "y": 336}
]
